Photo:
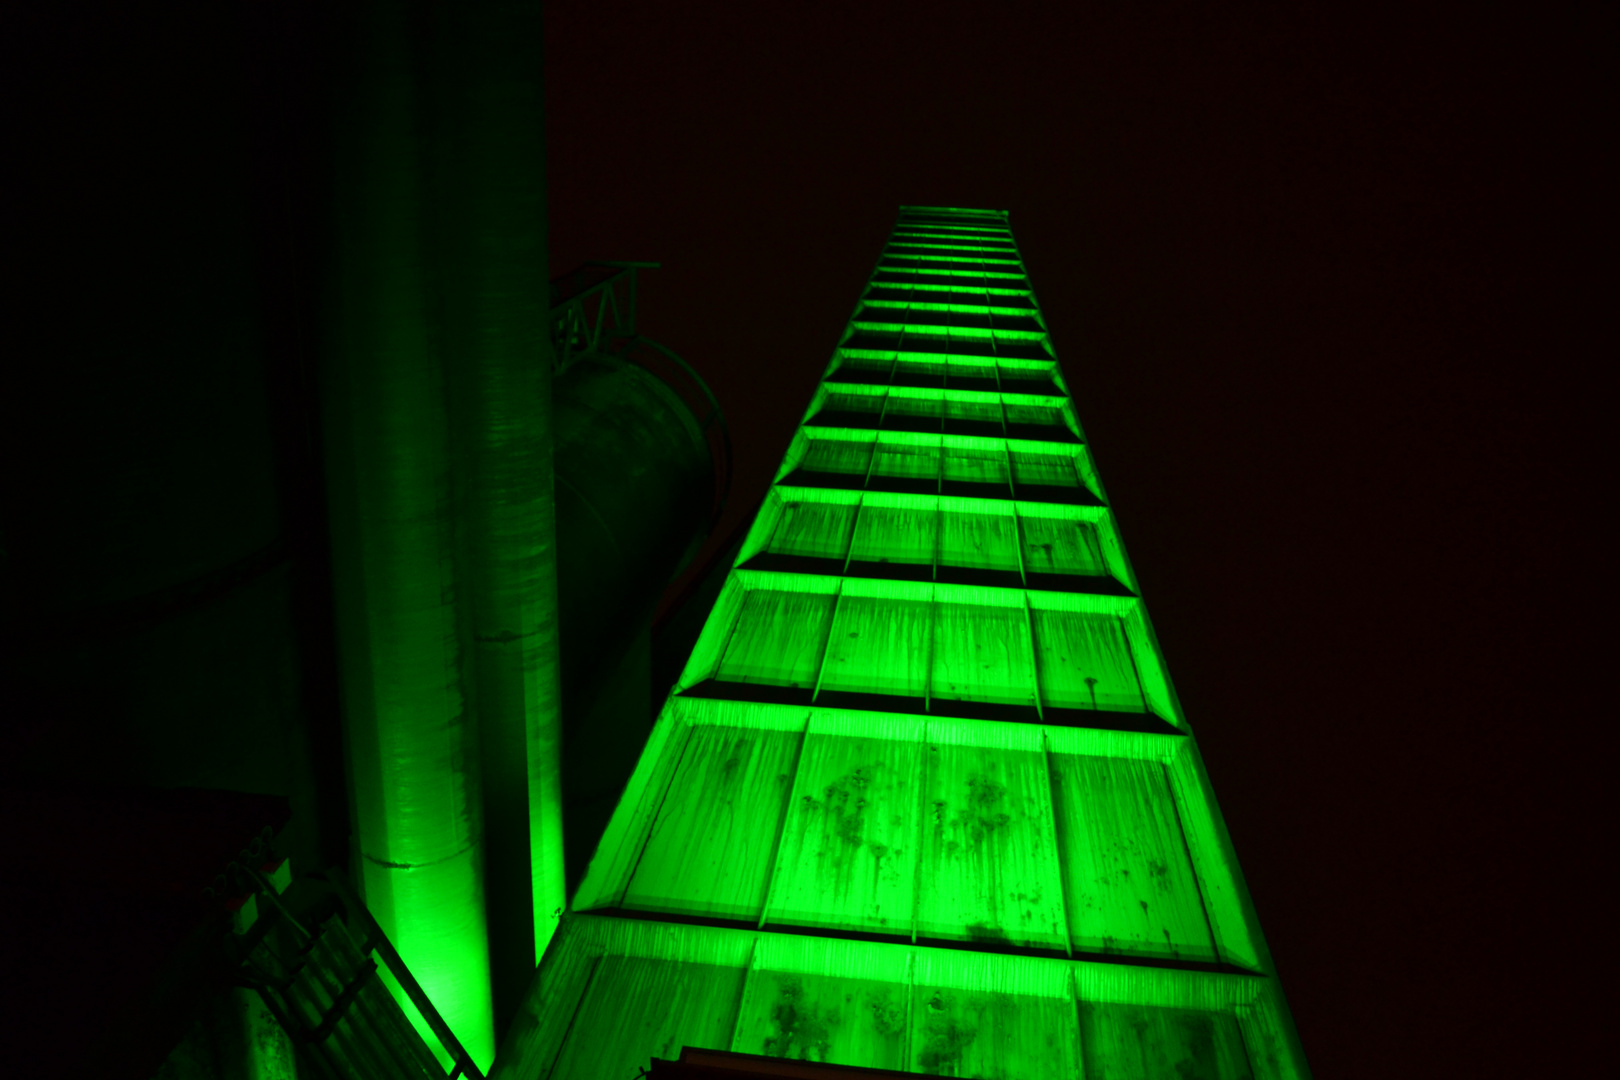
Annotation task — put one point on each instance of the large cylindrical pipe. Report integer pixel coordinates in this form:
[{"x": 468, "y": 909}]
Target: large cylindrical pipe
[
  {"x": 410, "y": 735},
  {"x": 489, "y": 160}
]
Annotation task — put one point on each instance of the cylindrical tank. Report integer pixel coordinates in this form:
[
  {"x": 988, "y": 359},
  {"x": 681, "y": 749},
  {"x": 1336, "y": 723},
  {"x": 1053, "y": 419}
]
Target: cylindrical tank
[{"x": 635, "y": 479}]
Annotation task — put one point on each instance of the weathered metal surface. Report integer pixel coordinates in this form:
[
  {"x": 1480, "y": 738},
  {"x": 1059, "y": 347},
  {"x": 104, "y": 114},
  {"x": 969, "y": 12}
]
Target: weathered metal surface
[
  {"x": 996, "y": 786},
  {"x": 639, "y": 1008},
  {"x": 710, "y": 849},
  {"x": 1129, "y": 883},
  {"x": 990, "y": 858},
  {"x": 849, "y": 849}
]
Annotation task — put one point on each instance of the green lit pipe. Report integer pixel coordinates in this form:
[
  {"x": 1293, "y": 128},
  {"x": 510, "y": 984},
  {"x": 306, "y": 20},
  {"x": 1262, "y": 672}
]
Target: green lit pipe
[
  {"x": 489, "y": 164},
  {"x": 410, "y": 737}
]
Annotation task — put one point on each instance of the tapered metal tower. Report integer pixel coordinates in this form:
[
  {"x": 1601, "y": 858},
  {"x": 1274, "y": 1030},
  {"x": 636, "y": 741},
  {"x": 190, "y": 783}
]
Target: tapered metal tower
[{"x": 923, "y": 798}]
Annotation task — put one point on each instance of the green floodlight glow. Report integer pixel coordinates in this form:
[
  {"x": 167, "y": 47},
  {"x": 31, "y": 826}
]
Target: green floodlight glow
[
  {"x": 930, "y": 829},
  {"x": 409, "y": 737},
  {"x": 923, "y": 797},
  {"x": 979, "y": 270},
  {"x": 438, "y": 451},
  {"x": 984, "y": 253},
  {"x": 936, "y": 1011},
  {"x": 942, "y": 254}
]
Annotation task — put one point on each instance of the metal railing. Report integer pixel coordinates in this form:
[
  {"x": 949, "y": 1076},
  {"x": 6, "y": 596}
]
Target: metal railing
[
  {"x": 322, "y": 985},
  {"x": 590, "y": 306}
]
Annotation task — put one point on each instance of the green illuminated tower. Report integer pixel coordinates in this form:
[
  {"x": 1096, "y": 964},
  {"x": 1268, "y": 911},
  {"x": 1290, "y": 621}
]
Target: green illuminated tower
[{"x": 923, "y": 798}]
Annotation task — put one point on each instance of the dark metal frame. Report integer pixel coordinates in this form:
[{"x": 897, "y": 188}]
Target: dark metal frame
[
  {"x": 591, "y": 305},
  {"x": 279, "y": 993}
]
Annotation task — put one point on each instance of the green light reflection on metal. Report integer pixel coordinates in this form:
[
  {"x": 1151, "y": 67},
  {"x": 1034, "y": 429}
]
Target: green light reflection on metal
[
  {"x": 439, "y": 470},
  {"x": 998, "y": 275},
  {"x": 758, "y": 806},
  {"x": 618, "y": 987},
  {"x": 408, "y": 730}
]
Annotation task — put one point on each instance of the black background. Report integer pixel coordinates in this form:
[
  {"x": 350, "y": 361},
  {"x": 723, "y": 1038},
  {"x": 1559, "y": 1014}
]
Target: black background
[
  {"x": 1317, "y": 280},
  {"x": 1312, "y": 277}
]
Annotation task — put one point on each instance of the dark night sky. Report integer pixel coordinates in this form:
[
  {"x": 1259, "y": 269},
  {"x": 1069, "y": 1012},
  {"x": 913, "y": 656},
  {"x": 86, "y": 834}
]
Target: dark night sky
[
  {"x": 1309, "y": 275},
  {"x": 1315, "y": 279}
]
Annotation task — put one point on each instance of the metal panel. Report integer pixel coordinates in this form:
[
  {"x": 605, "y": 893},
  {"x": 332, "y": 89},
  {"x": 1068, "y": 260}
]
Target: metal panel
[
  {"x": 709, "y": 850},
  {"x": 1085, "y": 662},
  {"x": 1129, "y": 883},
  {"x": 982, "y": 653},
  {"x": 874, "y": 647},
  {"x": 777, "y": 638},
  {"x": 990, "y": 867},
  {"x": 637, "y": 1008},
  {"x": 810, "y": 1017},
  {"x": 1129, "y": 1042},
  {"x": 849, "y": 850}
]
